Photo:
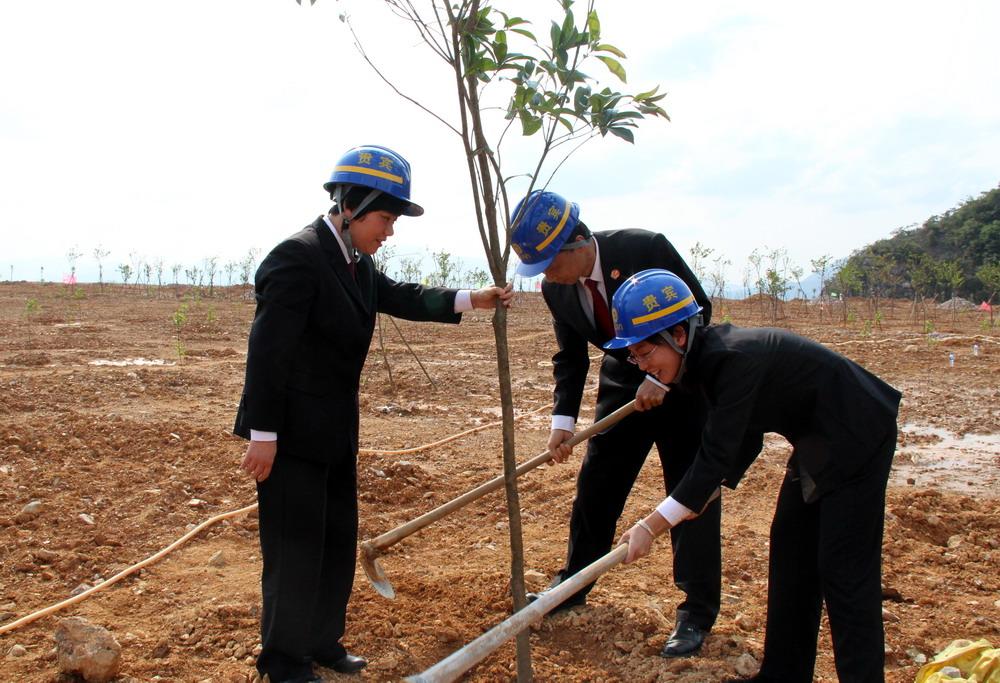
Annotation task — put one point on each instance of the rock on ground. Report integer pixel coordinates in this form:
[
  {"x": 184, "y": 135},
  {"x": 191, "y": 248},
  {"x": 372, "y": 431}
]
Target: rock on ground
[{"x": 87, "y": 650}]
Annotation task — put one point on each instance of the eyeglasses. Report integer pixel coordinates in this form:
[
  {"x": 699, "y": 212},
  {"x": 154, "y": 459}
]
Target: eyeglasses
[{"x": 642, "y": 357}]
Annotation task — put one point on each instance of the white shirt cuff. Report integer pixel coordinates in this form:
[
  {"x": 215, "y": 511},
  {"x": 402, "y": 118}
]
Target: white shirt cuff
[
  {"x": 564, "y": 422},
  {"x": 650, "y": 378},
  {"x": 263, "y": 436},
  {"x": 672, "y": 511},
  {"x": 463, "y": 300}
]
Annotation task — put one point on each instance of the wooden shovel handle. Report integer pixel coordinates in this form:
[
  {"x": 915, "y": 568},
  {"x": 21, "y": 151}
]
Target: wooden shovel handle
[
  {"x": 457, "y": 663},
  {"x": 393, "y": 536}
]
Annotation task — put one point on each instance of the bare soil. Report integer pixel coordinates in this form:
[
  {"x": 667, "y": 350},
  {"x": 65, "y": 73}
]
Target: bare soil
[{"x": 117, "y": 420}]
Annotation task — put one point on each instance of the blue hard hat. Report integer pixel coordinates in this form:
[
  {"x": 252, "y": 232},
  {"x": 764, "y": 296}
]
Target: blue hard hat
[
  {"x": 541, "y": 229},
  {"x": 378, "y": 168},
  {"x": 649, "y": 302}
]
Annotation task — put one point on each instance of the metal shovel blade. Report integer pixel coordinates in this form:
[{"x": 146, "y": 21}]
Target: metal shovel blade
[{"x": 376, "y": 575}]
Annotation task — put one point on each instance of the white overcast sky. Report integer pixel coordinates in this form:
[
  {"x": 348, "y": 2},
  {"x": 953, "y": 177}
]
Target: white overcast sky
[{"x": 194, "y": 128}]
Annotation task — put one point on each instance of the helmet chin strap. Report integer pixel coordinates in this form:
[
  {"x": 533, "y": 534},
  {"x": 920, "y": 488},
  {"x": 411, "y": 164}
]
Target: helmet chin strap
[
  {"x": 694, "y": 322},
  {"x": 345, "y": 230}
]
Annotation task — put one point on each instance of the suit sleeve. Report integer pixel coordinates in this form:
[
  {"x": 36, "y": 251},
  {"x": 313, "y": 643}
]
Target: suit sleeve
[
  {"x": 286, "y": 288},
  {"x": 664, "y": 253},
  {"x": 569, "y": 365},
  {"x": 414, "y": 302},
  {"x": 727, "y": 445}
]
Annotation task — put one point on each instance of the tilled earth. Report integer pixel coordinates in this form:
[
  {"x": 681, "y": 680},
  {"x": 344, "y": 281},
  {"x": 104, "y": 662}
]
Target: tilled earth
[{"x": 115, "y": 416}]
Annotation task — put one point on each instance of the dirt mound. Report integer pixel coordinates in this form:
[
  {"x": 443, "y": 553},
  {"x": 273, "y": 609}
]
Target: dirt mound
[{"x": 957, "y": 303}]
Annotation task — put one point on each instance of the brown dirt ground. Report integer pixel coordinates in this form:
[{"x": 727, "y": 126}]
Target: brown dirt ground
[{"x": 146, "y": 452}]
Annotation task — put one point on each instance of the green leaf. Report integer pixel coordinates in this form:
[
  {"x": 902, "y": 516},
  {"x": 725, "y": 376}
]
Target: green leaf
[
  {"x": 581, "y": 98},
  {"x": 654, "y": 110},
  {"x": 604, "y": 47},
  {"x": 614, "y": 66},
  {"x": 500, "y": 46},
  {"x": 594, "y": 25},
  {"x": 526, "y": 33},
  {"x": 555, "y": 34},
  {"x": 624, "y": 133},
  {"x": 529, "y": 124},
  {"x": 568, "y": 29},
  {"x": 646, "y": 95},
  {"x": 566, "y": 122}
]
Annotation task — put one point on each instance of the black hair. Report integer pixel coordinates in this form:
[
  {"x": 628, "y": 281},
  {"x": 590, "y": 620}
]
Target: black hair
[
  {"x": 580, "y": 229},
  {"x": 383, "y": 202}
]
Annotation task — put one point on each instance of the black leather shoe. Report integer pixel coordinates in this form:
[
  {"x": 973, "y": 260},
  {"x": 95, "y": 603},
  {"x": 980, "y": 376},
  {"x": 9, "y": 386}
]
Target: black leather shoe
[
  {"x": 575, "y": 600},
  {"x": 684, "y": 641},
  {"x": 348, "y": 664},
  {"x": 307, "y": 678}
]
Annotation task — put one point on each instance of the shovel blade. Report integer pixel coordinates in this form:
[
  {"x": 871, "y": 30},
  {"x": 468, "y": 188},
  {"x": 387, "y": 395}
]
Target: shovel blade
[{"x": 376, "y": 575}]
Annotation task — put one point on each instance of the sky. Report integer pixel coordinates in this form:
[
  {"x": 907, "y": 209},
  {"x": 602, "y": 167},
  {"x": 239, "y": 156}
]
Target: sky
[{"x": 205, "y": 128}]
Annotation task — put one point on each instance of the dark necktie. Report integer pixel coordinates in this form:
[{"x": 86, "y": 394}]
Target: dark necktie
[
  {"x": 602, "y": 316},
  {"x": 352, "y": 268}
]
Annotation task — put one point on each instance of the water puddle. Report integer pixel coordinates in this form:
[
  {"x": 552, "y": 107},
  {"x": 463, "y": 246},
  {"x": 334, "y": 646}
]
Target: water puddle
[{"x": 937, "y": 458}]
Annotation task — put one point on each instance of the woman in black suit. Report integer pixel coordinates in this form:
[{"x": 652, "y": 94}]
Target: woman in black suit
[
  {"x": 826, "y": 536},
  {"x": 318, "y": 295}
]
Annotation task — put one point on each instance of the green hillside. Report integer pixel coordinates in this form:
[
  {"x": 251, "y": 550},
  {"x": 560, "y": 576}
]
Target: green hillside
[{"x": 954, "y": 254}]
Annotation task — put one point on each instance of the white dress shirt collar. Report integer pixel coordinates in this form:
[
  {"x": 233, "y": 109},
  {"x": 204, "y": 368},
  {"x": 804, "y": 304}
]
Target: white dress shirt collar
[
  {"x": 596, "y": 274},
  {"x": 336, "y": 234}
]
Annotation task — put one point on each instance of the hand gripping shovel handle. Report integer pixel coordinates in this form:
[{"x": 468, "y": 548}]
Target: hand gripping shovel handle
[
  {"x": 394, "y": 536},
  {"x": 454, "y": 665}
]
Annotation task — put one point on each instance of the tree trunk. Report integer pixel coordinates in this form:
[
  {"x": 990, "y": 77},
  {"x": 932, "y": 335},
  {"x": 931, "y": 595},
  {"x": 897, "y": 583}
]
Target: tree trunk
[{"x": 524, "y": 672}]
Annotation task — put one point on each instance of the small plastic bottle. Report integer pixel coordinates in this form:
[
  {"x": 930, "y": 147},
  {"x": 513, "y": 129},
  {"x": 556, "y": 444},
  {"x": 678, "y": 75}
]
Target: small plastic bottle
[
  {"x": 975, "y": 349},
  {"x": 951, "y": 360}
]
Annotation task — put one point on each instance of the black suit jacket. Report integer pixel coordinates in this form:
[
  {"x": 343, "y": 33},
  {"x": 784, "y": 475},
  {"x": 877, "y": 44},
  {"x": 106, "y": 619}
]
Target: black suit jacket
[
  {"x": 310, "y": 337},
  {"x": 836, "y": 414},
  {"x": 623, "y": 254}
]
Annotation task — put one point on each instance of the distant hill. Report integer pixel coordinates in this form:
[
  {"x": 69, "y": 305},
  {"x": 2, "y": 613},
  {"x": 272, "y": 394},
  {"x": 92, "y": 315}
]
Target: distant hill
[{"x": 954, "y": 254}]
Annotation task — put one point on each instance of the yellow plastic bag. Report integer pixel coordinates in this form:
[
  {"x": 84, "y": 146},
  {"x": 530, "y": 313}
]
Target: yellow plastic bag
[
  {"x": 978, "y": 662},
  {"x": 987, "y": 669}
]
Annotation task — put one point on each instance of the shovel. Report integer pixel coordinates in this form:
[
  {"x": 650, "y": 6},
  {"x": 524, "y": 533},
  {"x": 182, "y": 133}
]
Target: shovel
[
  {"x": 454, "y": 665},
  {"x": 373, "y": 548},
  {"x": 457, "y": 663}
]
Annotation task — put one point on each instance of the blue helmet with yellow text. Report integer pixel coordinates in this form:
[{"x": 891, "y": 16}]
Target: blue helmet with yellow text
[
  {"x": 649, "y": 302},
  {"x": 377, "y": 168},
  {"x": 540, "y": 225}
]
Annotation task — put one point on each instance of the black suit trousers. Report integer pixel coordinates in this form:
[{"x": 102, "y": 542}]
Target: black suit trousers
[
  {"x": 609, "y": 470},
  {"x": 828, "y": 551},
  {"x": 308, "y": 536}
]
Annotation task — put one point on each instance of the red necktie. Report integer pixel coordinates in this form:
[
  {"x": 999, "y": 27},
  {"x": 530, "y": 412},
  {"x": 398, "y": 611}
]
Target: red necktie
[
  {"x": 352, "y": 267},
  {"x": 602, "y": 316}
]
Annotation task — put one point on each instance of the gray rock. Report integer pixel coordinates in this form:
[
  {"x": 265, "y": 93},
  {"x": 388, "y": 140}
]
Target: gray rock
[
  {"x": 29, "y": 512},
  {"x": 746, "y": 665},
  {"x": 87, "y": 650},
  {"x": 217, "y": 560},
  {"x": 17, "y": 651}
]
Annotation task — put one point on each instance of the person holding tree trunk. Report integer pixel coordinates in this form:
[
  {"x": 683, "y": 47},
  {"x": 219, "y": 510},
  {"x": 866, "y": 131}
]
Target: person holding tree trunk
[
  {"x": 583, "y": 270},
  {"x": 826, "y": 536},
  {"x": 318, "y": 295}
]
